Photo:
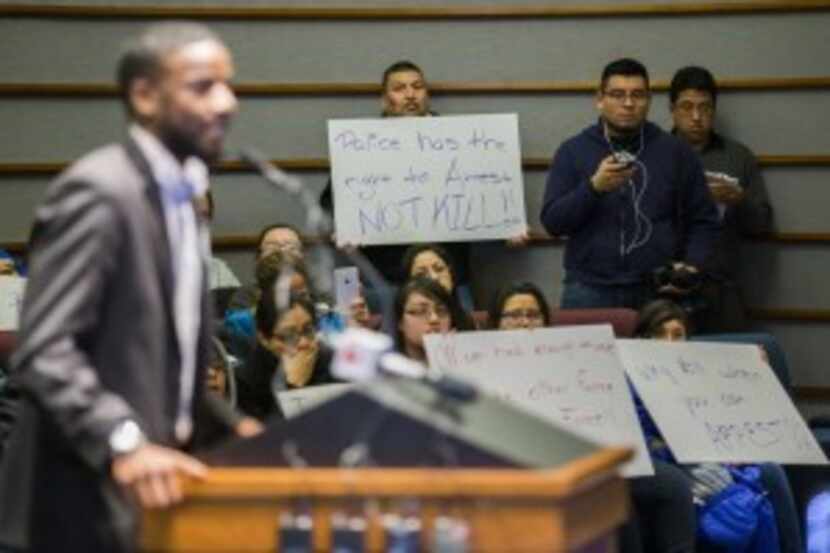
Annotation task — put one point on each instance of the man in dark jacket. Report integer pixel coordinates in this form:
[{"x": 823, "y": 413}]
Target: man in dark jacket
[
  {"x": 736, "y": 184},
  {"x": 630, "y": 198}
]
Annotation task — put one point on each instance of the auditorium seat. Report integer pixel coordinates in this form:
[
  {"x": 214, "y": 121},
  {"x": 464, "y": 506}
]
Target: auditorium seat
[{"x": 624, "y": 321}]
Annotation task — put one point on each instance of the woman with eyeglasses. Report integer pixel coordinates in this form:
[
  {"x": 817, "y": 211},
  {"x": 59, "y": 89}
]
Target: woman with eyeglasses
[
  {"x": 288, "y": 353},
  {"x": 434, "y": 262},
  {"x": 278, "y": 237},
  {"x": 519, "y": 305},
  {"x": 422, "y": 307}
]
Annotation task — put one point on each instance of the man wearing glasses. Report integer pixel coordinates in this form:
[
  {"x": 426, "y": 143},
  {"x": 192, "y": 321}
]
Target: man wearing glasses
[
  {"x": 630, "y": 198},
  {"x": 736, "y": 185}
]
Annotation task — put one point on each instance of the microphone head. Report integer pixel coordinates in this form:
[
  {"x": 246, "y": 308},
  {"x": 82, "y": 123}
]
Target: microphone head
[{"x": 357, "y": 354}]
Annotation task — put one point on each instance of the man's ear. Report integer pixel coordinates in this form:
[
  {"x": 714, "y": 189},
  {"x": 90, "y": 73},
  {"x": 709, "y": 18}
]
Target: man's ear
[
  {"x": 598, "y": 98},
  {"x": 144, "y": 98}
]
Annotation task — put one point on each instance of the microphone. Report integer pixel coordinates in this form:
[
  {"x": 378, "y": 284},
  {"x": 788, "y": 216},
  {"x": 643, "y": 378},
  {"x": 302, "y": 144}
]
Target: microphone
[{"x": 362, "y": 355}]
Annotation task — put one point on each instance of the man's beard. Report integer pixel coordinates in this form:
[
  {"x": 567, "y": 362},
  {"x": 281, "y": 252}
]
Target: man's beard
[{"x": 183, "y": 144}]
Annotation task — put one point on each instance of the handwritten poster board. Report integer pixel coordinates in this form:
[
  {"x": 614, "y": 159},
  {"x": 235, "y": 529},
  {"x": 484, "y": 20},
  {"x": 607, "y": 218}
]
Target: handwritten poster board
[
  {"x": 294, "y": 402},
  {"x": 426, "y": 179},
  {"x": 718, "y": 402},
  {"x": 11, "y": 300},
  {"x": 570, "y": 377}
]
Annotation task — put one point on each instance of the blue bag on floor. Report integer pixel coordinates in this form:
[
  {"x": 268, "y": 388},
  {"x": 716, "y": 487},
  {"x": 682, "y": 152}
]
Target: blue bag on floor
[{"x": 740, "y": 519}]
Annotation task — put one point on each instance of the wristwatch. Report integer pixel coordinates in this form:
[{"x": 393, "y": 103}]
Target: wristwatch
[{"x": 126, "y": 438}]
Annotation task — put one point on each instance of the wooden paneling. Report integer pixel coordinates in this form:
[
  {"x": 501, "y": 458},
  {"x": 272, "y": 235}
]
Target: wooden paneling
[
  {"x": 812, "y": 393},
  {"x": 458, "y": 88},
  {"x": 371, "y": 13},
  {"x": 537, "y": 239},
  {"x": 322, "y": 164},
  {"x": 784, "y": 314}
]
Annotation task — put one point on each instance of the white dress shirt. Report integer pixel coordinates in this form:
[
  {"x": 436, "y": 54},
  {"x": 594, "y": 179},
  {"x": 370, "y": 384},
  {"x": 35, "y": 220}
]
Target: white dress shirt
[{"x": 188, "y": 251}]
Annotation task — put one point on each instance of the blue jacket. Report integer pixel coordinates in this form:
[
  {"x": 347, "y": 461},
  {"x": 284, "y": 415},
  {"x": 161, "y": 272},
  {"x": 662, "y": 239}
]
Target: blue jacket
[{"x": 619, "y": 237}]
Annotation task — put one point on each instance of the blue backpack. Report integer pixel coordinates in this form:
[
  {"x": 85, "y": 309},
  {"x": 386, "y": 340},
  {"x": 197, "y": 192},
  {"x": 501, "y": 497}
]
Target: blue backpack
[{"x": 740, "y": 519}]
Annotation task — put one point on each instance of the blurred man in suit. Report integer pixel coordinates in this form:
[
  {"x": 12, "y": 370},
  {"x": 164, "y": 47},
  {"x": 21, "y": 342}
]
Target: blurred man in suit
[{"x": 115, "y": 327}]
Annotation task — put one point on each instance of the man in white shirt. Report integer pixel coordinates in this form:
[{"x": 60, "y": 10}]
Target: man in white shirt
[{"x": 114, "y": 326}]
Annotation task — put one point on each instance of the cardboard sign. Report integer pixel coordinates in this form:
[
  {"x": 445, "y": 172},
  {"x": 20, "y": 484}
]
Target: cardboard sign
[
  {"x": 294, "y": 402},
  {"x": 569, "y": 376},
  {"x": 401, "y": 180},
  {"x": 718, "y": 402},
  {"x": 11, "y": 301}
]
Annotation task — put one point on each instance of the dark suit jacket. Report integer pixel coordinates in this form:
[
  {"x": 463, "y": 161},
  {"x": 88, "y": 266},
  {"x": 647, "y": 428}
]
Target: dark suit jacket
[{"x": 97, "y": 345}]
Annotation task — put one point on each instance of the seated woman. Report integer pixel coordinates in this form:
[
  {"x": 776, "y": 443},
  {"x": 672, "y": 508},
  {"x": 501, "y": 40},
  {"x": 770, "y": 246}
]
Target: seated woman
[
  {"x": 663, "y": 518},
  {"x": 710, "y": 482},
  {"x": 434, "y": 262},
  {"x": 291, "y": 277},
  {"x": 238, "y": 328},
  {"x": 519, "y": 305},
  {"x": 421, "y": 307},
  {"x": 278, "y": 237},
  {"x": 288, "y": 354}
]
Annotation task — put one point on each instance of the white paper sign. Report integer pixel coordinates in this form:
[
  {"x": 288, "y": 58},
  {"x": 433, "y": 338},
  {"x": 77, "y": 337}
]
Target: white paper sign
[
  {"x": 571, "y": 377},
  {"x": 718, "y": 402},
  {"x": 401, "y": 180},
  {"x": 11, "y": 300},
  {"x": 294, "y": 402}
]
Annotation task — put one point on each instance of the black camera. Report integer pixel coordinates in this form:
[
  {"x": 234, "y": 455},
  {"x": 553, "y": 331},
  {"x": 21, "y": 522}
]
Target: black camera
[{"x": 682, "y": 278}]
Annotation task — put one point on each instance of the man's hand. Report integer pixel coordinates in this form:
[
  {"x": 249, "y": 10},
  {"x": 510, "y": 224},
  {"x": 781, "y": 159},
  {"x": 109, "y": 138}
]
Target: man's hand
[
  {"x": 672, "y": 290},
  {"x": 153, "y": 474},
  {"x": 518, "y": 241},
  {"x": 726, "y": 193},
  {"x": 611, "y": 174},
  {"x": 248, "y": 427}
]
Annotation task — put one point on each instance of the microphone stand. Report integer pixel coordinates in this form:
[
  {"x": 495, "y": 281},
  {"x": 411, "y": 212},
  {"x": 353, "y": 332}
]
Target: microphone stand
[{"x": 318, "y": 223}]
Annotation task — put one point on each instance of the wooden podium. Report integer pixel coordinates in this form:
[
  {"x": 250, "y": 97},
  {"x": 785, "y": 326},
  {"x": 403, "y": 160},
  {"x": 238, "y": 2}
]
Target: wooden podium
[{"x": 573, "y": 507}]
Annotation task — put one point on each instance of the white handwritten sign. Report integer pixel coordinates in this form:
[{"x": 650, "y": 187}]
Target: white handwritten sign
[
  {"x": 571, "y": 377},
  {"x": 718, "y": 402},
  {"x": 294, "y": 402},
  {"x": 11, "y": 300},
  {"x": 426, "y": 179}
]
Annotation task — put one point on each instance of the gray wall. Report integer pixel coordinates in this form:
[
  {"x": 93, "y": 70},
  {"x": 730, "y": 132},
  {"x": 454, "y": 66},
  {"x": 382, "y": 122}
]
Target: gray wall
[{"x": 751, "y": 45}]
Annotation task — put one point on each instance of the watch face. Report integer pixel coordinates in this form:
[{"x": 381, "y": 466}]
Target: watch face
[{"x": 126, "y": 437}]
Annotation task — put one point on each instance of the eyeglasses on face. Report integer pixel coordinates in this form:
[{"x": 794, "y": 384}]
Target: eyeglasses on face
[
  {"x": 526, "y": 314},
  {"x": 437, "y": 269},
  {"x": 619, "y": 95},
  {"x": 271, "y": 246},
  {"x": 292, "y": 336},
  {"x": 425, "y": 311}
]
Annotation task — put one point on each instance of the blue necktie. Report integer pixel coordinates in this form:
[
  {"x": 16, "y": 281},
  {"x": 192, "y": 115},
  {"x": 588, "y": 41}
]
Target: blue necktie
[{"x": 181, "y": 193}]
